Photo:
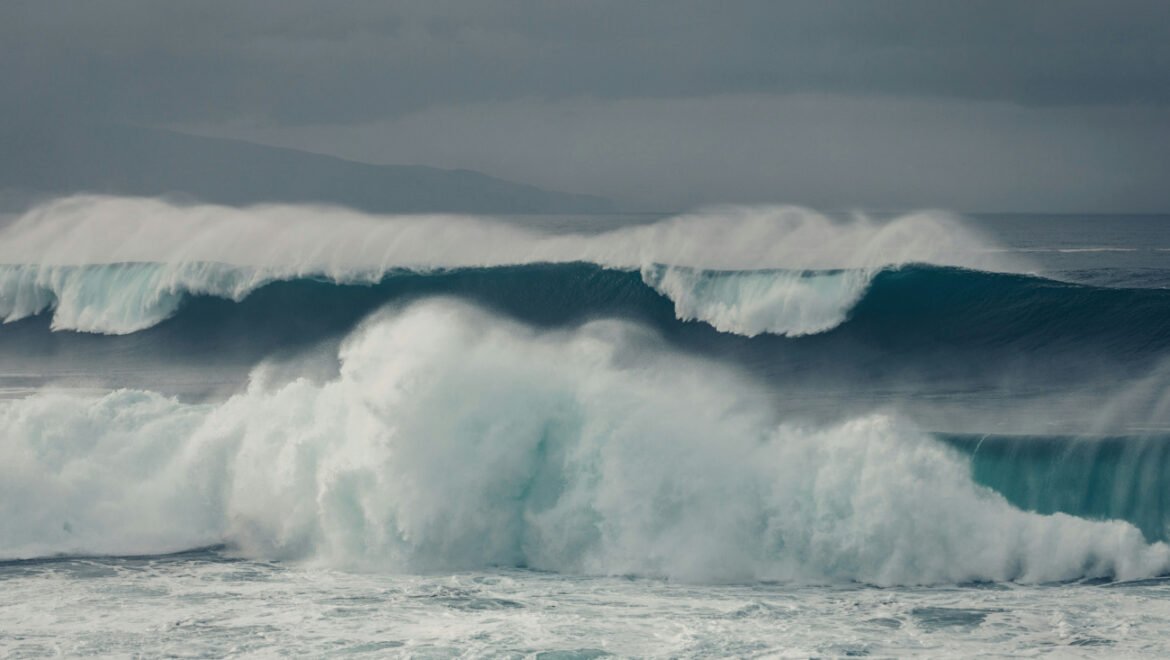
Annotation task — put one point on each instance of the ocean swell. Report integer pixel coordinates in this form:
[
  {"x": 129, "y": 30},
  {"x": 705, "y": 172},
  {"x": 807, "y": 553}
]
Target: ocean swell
[
  {"x": 906, "y": 311},
  {"x": 116, "y": 298}
]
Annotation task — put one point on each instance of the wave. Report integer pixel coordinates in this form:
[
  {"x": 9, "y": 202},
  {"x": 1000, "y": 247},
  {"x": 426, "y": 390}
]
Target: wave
[
  {"x": 901, "y": 312},
  {"x": 789, "y": 303},
  {"x": 453, "y": 438},
  {"x": 116, "y": 298},
  {"x": 118, "y": 265},
  {"x": 1122, "y": 478},
  {"x": 1118, "y": 278},
  {"x": 304, "y": 240},
  {"x": 1076, "y": 250},
  {"x": 127, "y": 298}
]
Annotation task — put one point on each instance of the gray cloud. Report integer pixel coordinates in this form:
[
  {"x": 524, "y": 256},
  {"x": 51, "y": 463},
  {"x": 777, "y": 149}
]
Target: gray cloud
[
  {"x": 973, "y": 105},
  {"x": 826, "y": 151},
  {"x": 297, "y": 61}
]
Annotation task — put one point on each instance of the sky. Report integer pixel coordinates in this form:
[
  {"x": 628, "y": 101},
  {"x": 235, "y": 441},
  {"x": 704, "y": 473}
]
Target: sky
[{"x": 1056, "y": 105}]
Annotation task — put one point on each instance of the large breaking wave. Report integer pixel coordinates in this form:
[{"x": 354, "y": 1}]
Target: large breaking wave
[
  {"x": 455, "y": 439},
  {"x": 113, "y": 265},
  {"x": 118, "y": 266},
  {"x": 910, "y": 308}
]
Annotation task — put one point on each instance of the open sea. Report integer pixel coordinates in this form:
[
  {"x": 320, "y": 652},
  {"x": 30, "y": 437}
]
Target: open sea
[{"x": 738, "y": 432}]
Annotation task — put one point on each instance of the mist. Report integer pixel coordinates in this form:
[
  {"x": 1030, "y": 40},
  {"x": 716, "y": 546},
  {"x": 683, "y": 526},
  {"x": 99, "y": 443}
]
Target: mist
[
  {"x": 824, "y": 151},
  {"x": 976, "y": 106}
]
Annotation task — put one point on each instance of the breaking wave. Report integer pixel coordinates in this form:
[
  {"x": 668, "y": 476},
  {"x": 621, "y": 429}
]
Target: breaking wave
[
  {"x": 453, "y": 438},
  {"x": 906, "y": 309},
  {"x": 116, "y": 266}
]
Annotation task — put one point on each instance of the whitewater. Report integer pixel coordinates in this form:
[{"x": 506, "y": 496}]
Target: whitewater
[{"x": 738, "y": 431}]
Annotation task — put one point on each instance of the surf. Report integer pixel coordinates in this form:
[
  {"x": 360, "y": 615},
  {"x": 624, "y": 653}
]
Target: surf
[{"x": 452, "y": 438}]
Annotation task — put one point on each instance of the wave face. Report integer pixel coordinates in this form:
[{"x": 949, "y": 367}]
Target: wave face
[
  {"x": 453, "y": 438},
  {"x": 1112, "y": 478},
  {"x": 909, "y": 311}
]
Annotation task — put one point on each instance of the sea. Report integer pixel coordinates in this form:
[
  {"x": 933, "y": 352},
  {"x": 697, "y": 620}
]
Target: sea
[{"x": 742, "y": 431}]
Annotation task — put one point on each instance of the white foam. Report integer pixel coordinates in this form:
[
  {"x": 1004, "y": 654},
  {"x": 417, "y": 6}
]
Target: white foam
[
  {"x": 116, "y": 298},
  {"x": 454, "y": 439},
  {"x": 749, "y": 303},
  {"x": 152, "y": 252}
]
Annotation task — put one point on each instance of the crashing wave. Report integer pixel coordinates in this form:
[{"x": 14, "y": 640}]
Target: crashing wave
[
  {"x": 750, "y": 303},
  {"x": 115, "y": 298},
  {"x": 118, "y": 265},
  {"x": 454, "y": 439}
]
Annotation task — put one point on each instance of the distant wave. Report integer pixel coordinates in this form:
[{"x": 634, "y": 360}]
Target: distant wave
[
  {"x": 126, "y": 298},
  {"x": 461, "y": 392},
  {"x": 907, "y": 308},
  {"x": 1075, "y": 250},
  {"x": 115, "y": 265},
  {"x": 116, "y": 298},
  {"x": 453, "y": 438},
  {"x": 750, "y": 303}
]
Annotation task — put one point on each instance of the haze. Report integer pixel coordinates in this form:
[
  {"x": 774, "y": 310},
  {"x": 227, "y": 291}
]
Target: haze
[{"x": 975, "y": 106}]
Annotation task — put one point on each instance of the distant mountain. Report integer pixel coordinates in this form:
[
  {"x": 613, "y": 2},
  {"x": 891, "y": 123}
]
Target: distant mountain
[{"x": 137, "y": 161}]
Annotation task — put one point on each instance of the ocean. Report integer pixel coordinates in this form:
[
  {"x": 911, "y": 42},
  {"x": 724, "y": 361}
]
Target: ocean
[{"x": 742, "y": 431}]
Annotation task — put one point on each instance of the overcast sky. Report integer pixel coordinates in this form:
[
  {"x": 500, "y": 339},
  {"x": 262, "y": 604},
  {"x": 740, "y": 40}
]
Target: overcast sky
[{"x": 1060, "y": 105}]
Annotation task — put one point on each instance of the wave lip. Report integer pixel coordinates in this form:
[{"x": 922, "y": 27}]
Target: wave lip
[{"x": 1121, "y": 477}]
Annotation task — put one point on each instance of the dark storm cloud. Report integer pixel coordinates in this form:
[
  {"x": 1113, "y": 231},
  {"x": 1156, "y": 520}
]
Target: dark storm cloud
[{"x": 337, "y": 62}]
